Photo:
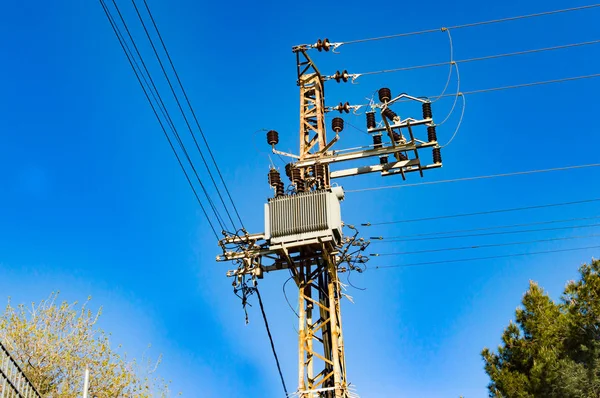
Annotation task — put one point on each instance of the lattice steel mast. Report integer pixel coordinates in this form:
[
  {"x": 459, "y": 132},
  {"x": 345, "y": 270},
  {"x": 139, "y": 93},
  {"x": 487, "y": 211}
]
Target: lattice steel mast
[{"x": 303, "y": 229}]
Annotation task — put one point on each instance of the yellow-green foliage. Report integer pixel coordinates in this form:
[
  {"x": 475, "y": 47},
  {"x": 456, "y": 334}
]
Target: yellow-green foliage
[{"x": 54, "y": 343}]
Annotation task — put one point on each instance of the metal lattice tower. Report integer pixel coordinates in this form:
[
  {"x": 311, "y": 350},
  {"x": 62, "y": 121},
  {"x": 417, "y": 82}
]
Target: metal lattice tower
[{"x": 304, "y": 230}]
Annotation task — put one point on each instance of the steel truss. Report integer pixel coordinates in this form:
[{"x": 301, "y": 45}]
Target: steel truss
[{"x": 314, "y": 262}]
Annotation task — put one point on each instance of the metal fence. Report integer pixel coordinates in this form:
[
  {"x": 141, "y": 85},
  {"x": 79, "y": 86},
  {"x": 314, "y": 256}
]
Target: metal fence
[{"x": 13, "y": 382}]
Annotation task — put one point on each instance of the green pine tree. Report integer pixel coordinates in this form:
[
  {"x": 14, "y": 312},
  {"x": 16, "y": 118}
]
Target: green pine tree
[{"x": 553, "y": 348}]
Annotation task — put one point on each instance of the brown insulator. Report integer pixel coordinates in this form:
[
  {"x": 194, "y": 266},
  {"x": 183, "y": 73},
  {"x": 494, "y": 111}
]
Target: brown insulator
[
  {"x": 323, "y": 45},
  {"x": 288, "y": 170},
  {"x": 337, "y": 124},
  {"x": 437, "y": 156},
  {"x": 344, "y": 107},
  {"x": 397, "y": 137},
  {"x": 371, "y": 120},
  {"x": 279, "y": 189},
  {"x": 402, "y": 156},
  {"x": 385, "y": 94},
  {"x": 297, "y": 179},
  {"x": 274, "y": 177},
  {"x": 320, "y": 175},
  {"x": 431, "y": 134},
  {"x": 296, "y": 174},
  {"x": 341, "y": 76},
  {"x": 377, "y": 141},
  {"x": 427, "y": 110},
  {"x": 383, "y": 160},
  {"x": 390, "y": 114},
  {"x": 272, "y": 137}
]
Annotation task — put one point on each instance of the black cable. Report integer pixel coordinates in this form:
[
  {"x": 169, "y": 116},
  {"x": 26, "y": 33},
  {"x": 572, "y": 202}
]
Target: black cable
[
  {"x": 477, "y": 59},
  {"x": 484, "y": 258},
  {"x": 167, "y": 116},
  {"x": 474, "y": 178},
  {"x": 456, "y": 231},
  {"x": 182, "y": 112},
  {"x": 286, "y": 297},
  {"x": 488, "y": 233},
  {"x": 193, "y": 113},
  {"x": 132, "y": 64},
  {"x": 482, "y": 212},
  {"x": 262, "y": 309},
  {"x": 470, "y": 25},
  {"x": 483, "y": 246}
]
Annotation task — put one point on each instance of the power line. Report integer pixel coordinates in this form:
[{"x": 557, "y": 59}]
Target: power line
[
  {"x": 193, "y": 113},
  {"x": 539, "y": 83},
  {"x": 477, "y": 59},
  {"x": 502, "y": 88},
  {"x": 485, "y": 228},
  {"x": 483, "y": 212},
  {"x": 262, "y": 310},
  {"x": 452, "y": 64},
  {"x": 392, "y": 239},
  {"x": 469, "y": 25},
  {"x": 582, "y": 166},
  {"x": 483, "y": 246},
  {"x": 460, "y": 119},
  {"x": 484, "y": 258},
  {"x": 181, "y": 109},
  {"x": 133, "y": 64},
  {"x": 165, "y": 112}
]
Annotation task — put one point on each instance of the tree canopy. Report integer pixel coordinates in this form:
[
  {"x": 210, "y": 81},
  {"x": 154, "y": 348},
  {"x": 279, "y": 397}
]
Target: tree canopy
[
  {"x": 553, "y": 347},
  {"x": 54, "y": 342}
]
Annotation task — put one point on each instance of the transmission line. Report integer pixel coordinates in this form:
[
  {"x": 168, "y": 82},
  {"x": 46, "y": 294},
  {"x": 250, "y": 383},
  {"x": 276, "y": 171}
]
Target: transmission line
[
  {"x": 469, "y": 25},
  {"x": 516, "y": 173},
  {"x": 392, "y": 239},
  {"x": 133, "y": 65},
  {"x": 483, "y": 246},
  {"x": 193, "y": 112},
  {"x": 501, "y": 88},
  {"x": 170, "y": 121},
  {"x": 483, "y": 212},
  {"x": 262, "y": 310},
  {"x": 185, "y": 118},
  {"x": 539, "y": 83},
  {"x": 485, "y": 258},
  {"x": 484, "y": 228},
  {"x": 477, "y": 59}
]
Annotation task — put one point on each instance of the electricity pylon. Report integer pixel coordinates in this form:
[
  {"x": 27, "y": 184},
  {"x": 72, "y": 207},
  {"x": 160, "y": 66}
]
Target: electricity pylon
[{"x": 303, "y": 225}]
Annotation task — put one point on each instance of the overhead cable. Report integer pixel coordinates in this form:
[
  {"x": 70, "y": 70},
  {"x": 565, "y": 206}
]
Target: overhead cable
[
  {"x": 460, "y": 120},
  {"x": 539, "y": 83},
  {"x": 462, "y": 260},
  {"x": 452, "y": 65},
  {"x": 484, "y": 246},
  {"x": 479, "y": 213},
  {"x": 469, "y": 25},
  {"x": 382, "y": 239},
  {"x": 193, "y": 113},
  {"x": 168, "y": 117},
  {"x": 133, "y": 65},
  {"x": 485, "y": 228},
  {"x": 492, "y": 89},
  {"x": 262, "y": 310},
  {"x": 183, "y": 113},
  {"x": 476, "y": 59},
  {"x": 485, "y": 177}
]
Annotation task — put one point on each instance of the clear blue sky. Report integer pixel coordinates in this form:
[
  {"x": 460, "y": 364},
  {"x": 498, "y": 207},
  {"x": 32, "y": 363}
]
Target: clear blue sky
[{"x": 93, "y": 201}]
